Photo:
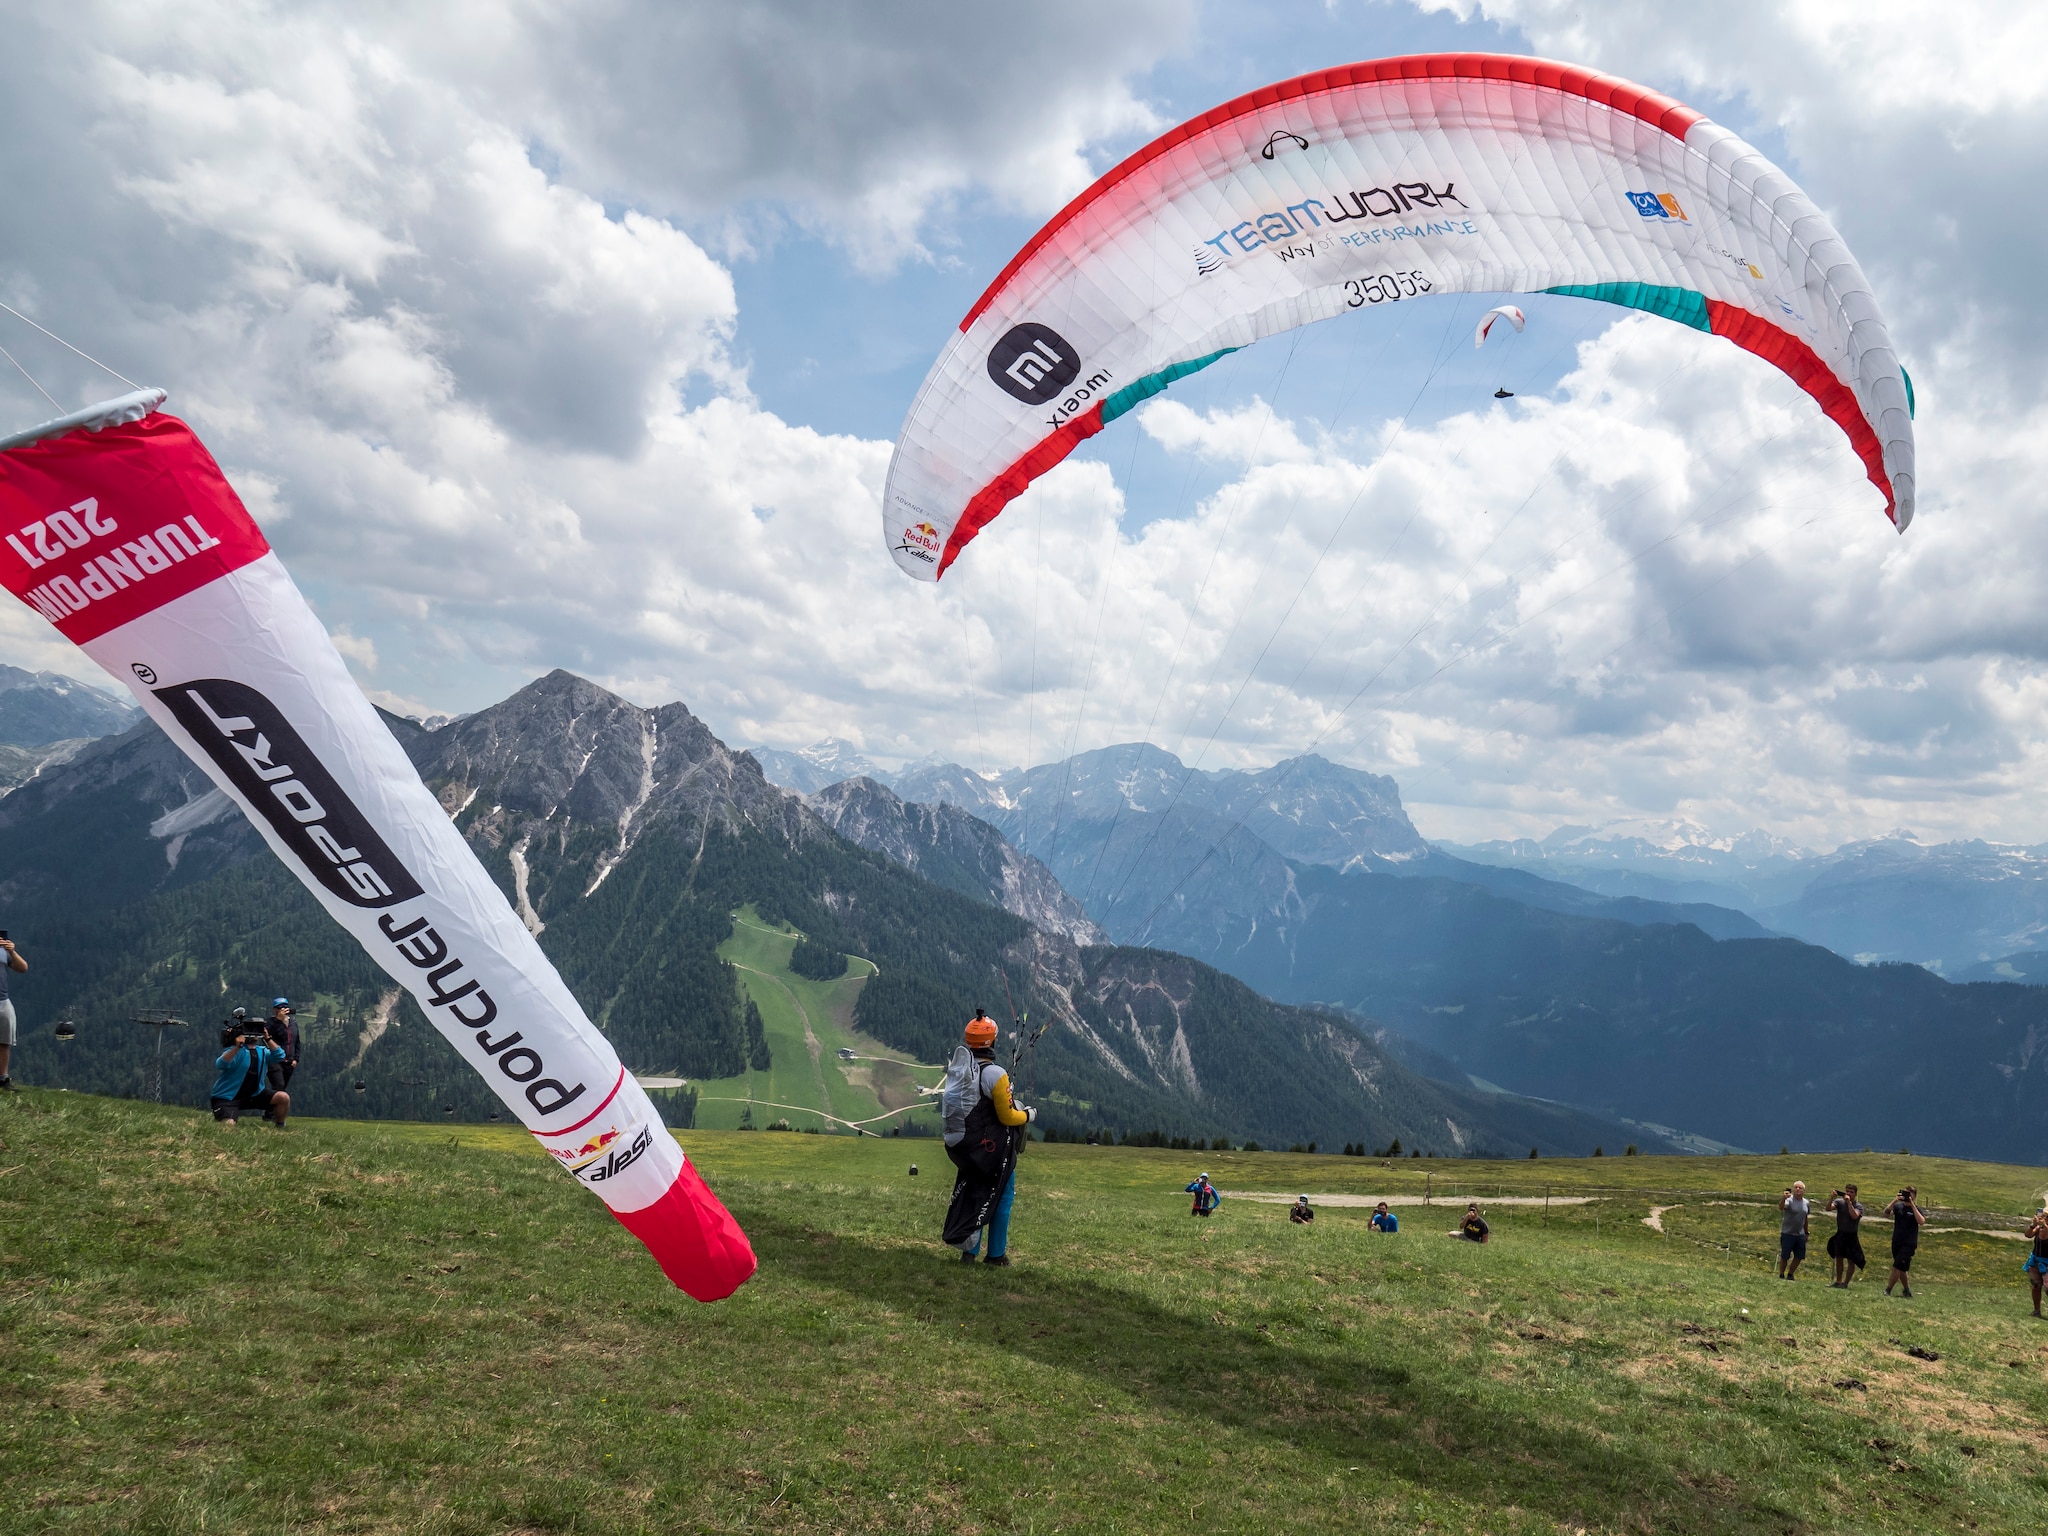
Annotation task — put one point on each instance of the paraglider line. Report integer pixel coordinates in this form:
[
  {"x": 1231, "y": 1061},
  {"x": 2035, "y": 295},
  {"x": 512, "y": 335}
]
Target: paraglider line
[
  {"x": 1663, "y": 614},
  {"x": 1194, "y": 608},
  {"x": 1829, "y": 451},
  {"x": 1439, "y": 357},
  {"x": 24, "y": 319},
  {"x": 30, "y": 377}
]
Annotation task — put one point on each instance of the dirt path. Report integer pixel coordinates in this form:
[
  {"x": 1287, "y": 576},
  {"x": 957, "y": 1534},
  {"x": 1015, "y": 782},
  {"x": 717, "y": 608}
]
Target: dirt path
[
  {"x": 1655, "y": 1220},
  {"x": 1273, "y": 1196}
]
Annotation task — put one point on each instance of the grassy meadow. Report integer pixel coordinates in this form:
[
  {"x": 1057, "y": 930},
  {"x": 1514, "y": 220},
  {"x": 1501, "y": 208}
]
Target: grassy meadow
[
  {"x": 808, "y": 1023},
  {"x": 356, "y": 1327}
]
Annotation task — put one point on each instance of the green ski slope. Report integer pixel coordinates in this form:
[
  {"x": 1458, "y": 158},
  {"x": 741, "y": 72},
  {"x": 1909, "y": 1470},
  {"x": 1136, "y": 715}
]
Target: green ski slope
[{"x": 808, "y": 1023}]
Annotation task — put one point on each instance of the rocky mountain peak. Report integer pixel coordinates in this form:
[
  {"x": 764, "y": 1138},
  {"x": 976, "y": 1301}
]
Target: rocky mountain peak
[
  {"x": 565, "y": 777},
  {"x": 950, "y": 847}
]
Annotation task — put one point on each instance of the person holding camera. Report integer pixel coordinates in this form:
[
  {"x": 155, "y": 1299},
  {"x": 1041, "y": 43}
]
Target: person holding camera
[
  {"x": 1795, "y": 1214},
  {"x": 283, "y": 1028},
  {"x": 1907, "y": 1220},
  {"x": 2036, "y": 1267},
  {"x": 241, "y": 1080},
  {"x": 1846, "y": 1246},
  {"x": 14, "y": 962}
]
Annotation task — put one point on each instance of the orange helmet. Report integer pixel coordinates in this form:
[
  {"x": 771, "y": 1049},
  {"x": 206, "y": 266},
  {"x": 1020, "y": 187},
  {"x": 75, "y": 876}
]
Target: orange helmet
[{"x": 981, "y": 1031}]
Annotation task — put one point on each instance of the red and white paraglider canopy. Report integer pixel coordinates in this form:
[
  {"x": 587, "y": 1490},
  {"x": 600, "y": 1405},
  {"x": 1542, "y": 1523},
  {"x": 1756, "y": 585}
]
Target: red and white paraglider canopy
[{"x": 1372, "y": 185}]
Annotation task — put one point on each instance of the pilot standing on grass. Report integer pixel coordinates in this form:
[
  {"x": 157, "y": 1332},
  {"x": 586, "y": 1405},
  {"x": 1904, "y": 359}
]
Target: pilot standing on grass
[{"x": 985, "y": 1130}]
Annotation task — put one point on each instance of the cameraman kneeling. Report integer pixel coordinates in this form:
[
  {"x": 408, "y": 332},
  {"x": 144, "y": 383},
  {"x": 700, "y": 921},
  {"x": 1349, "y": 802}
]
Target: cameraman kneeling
[{"x": 242, "y": 1083}]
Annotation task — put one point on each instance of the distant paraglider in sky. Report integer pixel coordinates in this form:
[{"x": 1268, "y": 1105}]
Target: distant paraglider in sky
[
  {"x": 1506, "y": 312},
  {"x": 1367, "y": 187}
]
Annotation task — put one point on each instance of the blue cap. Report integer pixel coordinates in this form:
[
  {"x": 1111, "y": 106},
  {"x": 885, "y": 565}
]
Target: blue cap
[{"x": 280, "y": 1002}]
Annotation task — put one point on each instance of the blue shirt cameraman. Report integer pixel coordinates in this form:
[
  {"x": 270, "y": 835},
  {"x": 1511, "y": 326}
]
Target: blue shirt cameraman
[{"x": 242, "y": 1079}]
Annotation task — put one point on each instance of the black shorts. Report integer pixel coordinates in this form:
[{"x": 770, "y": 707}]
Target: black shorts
[
  {"x": 1902, "y": 1258},
  {"x": 234, "y": 1109},
  {"x": 1846, "y": 1245},
  {"x": 1791, "y": 1245}
]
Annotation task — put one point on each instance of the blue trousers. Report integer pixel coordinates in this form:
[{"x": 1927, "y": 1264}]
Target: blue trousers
[{"x": 999, "y": 1226}]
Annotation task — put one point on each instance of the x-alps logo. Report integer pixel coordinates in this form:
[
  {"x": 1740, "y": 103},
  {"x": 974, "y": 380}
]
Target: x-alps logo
[
  {"x": 1033, "y": 363},
  {"x": 251, "y": 742}
]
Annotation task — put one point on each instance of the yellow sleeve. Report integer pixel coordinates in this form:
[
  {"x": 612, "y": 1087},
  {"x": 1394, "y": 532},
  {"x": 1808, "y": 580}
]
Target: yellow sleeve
[{"x": 1006, "y": 1112}]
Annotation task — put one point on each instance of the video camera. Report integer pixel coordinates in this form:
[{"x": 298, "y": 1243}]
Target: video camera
[{"x": 240, "y": 1029}]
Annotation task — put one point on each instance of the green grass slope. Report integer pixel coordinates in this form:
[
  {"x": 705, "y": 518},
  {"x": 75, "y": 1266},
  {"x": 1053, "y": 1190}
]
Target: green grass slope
[
  {"x": 359, "y": 1327},
  {"x": 808, "y": 1023}
]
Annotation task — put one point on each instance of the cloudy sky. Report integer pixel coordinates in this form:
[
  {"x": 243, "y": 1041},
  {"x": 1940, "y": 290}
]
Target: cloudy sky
[{"x": 576, "y": 335}]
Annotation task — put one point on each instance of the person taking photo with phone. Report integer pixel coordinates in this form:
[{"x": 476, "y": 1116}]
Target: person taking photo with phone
[{"x": 14, "y": 963}]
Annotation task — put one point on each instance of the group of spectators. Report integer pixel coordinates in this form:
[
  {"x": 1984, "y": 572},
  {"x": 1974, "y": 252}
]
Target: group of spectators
[
  {"x": 1845, "y": 1245},
  {"x": 253, "y": 1072}
]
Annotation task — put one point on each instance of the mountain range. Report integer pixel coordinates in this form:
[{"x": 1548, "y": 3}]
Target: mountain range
[
  {"x": 626, "y": 839},
  {"x": 1951, "y": 907},
  {"x": 1309, "y": 883},
  {"x": 46, "y": 717}
]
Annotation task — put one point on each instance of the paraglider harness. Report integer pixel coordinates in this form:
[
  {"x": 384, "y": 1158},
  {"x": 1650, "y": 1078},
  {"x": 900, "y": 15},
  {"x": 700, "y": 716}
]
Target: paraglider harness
[{"x": 974, "y": 1136}]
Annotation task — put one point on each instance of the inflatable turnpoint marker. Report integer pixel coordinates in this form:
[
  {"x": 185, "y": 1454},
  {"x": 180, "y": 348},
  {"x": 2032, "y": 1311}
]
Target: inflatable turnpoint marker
[{"x": 118, "y": 527}]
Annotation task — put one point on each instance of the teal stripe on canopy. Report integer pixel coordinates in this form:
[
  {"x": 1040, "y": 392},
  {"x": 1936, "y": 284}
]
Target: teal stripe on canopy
[
  {"x": 1150, "y": 385},
  {"x": 1680, "y": 304}
]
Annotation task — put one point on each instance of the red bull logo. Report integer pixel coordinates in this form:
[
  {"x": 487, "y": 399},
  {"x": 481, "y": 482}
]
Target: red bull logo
[
  {"x": 589, "y": 1152},
  {"x": 921, "y": 541}
]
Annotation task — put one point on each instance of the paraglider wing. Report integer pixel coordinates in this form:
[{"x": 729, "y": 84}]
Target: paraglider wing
[
  {"x": 1370, "y": 186},
  {"x": 120, "y": 529},
  {"x": 1506, "y": 312}
]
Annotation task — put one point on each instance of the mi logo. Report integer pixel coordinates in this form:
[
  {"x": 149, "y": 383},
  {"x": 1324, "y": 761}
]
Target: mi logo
[{"x": 1033, "y": 363}]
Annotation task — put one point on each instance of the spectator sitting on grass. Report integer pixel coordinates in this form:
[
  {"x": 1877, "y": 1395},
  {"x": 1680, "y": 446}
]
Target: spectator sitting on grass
[
  {"x": 1299, "y": 1211},
  {"x": 1384, "y": 1220},
  {"x": 242, "y": 1082},
  {"x": 1473, "y": 1228}
]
